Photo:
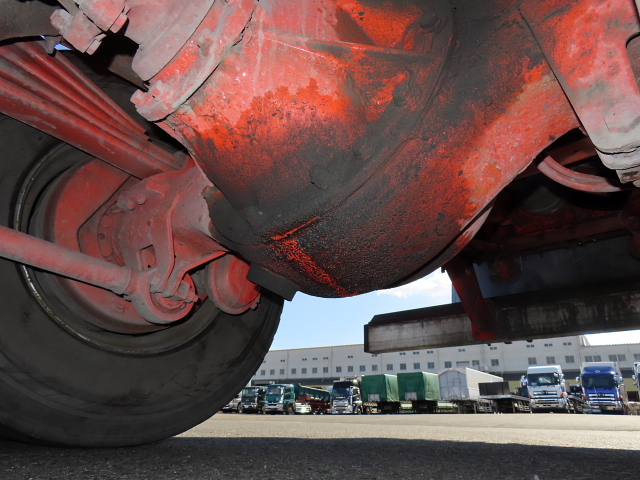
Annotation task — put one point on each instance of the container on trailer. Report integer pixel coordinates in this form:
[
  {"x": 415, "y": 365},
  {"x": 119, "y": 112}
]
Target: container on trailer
[
  {"x": 414, "y": 386},
  {"x": 463, "y": 383},
  {"x": 380, "y": 388}
]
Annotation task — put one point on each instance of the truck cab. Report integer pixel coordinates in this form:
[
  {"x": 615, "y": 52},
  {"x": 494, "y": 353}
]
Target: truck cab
[
  {"x": 252, "y": 400},
  {"x": 547, "y": 389},
  {"x": 346, "y": 397},
  {"x": 280, "y": 398},
  {"x": 603, "y": 387}
]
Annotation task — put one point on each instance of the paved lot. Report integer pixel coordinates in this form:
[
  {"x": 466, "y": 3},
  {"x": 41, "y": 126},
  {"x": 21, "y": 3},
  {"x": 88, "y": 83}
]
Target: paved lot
[{"x": 534, "y": 447}]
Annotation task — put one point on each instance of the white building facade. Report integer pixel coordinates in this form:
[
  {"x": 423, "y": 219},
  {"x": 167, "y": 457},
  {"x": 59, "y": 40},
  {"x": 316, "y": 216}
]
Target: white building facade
[{"x": 323, "y": 365}]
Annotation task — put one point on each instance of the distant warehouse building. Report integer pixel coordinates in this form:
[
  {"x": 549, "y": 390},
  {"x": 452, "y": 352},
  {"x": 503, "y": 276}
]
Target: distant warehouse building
[{"x": 322, "y": 365}]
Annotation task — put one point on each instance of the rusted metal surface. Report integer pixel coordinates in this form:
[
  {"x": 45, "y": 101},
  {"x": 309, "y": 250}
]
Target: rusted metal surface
[
  {"x": 326, "y": 167},
  {"x": 53, "y": 95},
  {"x": 478, "y": 309},
  {"x": 576, "y": 180},
  {"x": 585, "y": 43},
  {"x": 519, "y": 317}
]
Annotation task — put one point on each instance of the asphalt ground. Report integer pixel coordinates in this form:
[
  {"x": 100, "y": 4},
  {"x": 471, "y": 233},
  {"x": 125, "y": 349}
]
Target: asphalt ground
[{"x": 405, "y": 446}]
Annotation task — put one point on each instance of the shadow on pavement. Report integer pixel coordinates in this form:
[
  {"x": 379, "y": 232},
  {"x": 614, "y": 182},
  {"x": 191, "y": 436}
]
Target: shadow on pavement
[{"x": 288, "y": 458}]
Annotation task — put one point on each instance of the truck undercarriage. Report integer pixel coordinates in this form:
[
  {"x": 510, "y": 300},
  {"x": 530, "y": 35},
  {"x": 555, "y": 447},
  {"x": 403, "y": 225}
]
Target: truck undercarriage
[{"x": 332, "y": 147}]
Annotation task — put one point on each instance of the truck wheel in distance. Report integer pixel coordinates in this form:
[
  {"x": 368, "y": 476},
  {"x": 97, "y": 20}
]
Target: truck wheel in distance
[
  {"x": 240, "y": 409},
  {"x": 66, "y": 380},
  {"x": 291, "y": 410},
  {"x": 263, "y": 410}
]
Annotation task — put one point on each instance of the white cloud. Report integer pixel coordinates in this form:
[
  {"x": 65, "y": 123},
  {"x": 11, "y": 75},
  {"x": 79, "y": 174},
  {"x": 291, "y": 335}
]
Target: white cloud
[{"x": 434, "y": 285}]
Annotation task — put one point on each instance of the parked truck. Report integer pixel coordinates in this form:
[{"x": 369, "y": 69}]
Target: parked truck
[
  {"x": 547, "y": 389},
  {"x": 232, "y": 406},
  {"x": 381, "y": 391},
  {"x": 461, "y": 386},
  {"x": 422, "y": 389},
  {"x": 292, "y": 398},
  {"x": 603, "y": 387},
  {"x": 252, "y": 399},
  {"x": 346, "y": 397}
]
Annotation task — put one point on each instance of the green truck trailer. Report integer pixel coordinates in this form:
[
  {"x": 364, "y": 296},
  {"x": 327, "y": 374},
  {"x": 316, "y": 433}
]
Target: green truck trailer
[
  {"x": 422, "y": 389},
  {"x": 381, "y": 390}
]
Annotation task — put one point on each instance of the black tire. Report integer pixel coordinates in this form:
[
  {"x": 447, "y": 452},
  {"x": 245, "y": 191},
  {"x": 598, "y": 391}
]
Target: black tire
[
  {"x": 64, "y": 381},
  {"x": 241, "y": 409}
]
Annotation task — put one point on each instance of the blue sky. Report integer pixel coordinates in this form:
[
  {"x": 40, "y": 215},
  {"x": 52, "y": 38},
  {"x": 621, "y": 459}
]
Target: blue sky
[{"x": 315, "y": 322}]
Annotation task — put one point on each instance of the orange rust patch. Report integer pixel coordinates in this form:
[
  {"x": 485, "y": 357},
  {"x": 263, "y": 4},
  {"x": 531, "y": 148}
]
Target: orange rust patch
[
  {"x": 290, "y": 249},
  {"x": 291, "y": 232}
]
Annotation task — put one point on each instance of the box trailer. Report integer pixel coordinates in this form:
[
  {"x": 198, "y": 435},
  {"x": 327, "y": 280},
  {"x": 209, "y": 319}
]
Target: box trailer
[
  {"x": 461, "y": 386},
  {"x": 422, "y": 389},
  {"x": 383, "y": 391}
]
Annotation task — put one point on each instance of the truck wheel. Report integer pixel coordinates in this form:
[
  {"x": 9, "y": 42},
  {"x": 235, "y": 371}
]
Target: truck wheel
[
  {"x": 240, "y": 409},
  {"x": 291, "y": 410},
  {"x": 66, "y": 378},
  {"x": 263, "y": 410}
]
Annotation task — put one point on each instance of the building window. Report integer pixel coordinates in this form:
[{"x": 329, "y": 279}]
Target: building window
[
  {"x": 283, "y": 360},
  {"x": 263, "y": 372},
  {"x": 569, "y": 359},
  {"x": 403, "y": 366},
  {"x": 325, "y": 369},
  {"x": 314, "y": 370},
  {"x": 431, "y": 365},
  {"x": 416, "y": 353},
  {"x": 272, "y": 372},
  {"x": 416, "y": 366},
  {"x": 429, "y": 351},
  {"x": 350, "y": 368},
  {"x": 493, "y": 348},
  {"x": 475, "y": 363},
  {"x": 447, "y": 364},
  {"x": 314, "y": 358},
  {"x": 533, "y": 361},
  {"x": 566, "y": 344},
  {"x": 403, "y": 353},
  {"x": 363, "y": 368},
  {"x": 374, "y": 368},
  {"x": 264, "y": 361},
  {"x": 293, "y": 371},
  {"x": 325, "y": 358},
  {"x": 338, "y": 369},
  {"x": 618, "y": 358},
  {"x": 548, "y": 344},
  {"x": 303, "y": 371},
  {"x": 531, "y": 345},
  {"x": 374, "y": 354},
  {"x": 350, "y": 356},
  {"x": 551, "y": 360},
  {"x": 389, "y": 366},
  {"x": 495, "y": 362},
  {"x": 282, "y": 371},
  {"x": 462, "y": 350},
  {"x": 304, "y": 359},
  {"x": 636, "y": 356},
  {"x": 592, "y": 358}
]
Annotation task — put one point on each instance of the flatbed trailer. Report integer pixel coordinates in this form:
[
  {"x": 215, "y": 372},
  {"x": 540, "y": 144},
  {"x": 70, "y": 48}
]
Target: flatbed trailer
[{"x": 507, "y": 403}]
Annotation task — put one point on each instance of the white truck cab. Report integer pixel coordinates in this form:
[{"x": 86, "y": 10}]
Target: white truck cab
[{"x": 547, "y": 390}]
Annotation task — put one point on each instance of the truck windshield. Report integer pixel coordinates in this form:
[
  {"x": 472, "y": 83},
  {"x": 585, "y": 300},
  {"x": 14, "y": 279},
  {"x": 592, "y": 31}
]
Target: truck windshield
[
  {"x": 341, "y": 392},
  {"x": 598, "y": 381},
  {"x": 249, "y": 392},
  {"x": 275, "y": 390},
  {"x": 543, "y": 379}
]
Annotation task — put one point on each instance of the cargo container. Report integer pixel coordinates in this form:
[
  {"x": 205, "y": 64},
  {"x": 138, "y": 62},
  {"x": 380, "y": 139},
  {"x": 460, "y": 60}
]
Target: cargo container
[
  {"x": 291, "y": 398},
  {"x": 381, "y": 390},
  {"x": 461, "y": 386},
  {"x": 422, "y": 389}
]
